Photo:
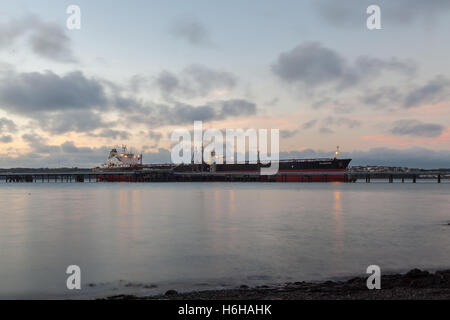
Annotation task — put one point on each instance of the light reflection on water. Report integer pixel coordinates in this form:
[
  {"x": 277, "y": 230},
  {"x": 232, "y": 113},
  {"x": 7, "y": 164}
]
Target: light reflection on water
[{"x": 186, "y": 235}]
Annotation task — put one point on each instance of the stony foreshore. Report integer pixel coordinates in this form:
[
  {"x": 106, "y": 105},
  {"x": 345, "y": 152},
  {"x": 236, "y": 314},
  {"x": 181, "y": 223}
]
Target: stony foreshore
[{"x": 415, "y": 284}]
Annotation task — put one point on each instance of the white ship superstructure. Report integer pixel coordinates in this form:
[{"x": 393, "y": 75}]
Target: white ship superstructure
[{"x": 124, "y": 159}]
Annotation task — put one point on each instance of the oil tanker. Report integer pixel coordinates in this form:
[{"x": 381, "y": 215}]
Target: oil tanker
[{"x": 289, "y": 170}]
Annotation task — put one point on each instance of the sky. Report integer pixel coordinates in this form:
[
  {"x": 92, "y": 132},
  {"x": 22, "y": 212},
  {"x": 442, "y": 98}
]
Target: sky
[{"x": 137, "y": 70}]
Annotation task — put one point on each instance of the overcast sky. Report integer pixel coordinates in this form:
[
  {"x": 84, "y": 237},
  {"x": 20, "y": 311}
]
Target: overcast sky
[{"x": 137, "y": 70}]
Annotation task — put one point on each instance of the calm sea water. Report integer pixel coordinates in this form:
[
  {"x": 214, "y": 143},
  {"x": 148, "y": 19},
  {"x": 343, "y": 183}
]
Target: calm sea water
[{"x": 147, "y": 238}]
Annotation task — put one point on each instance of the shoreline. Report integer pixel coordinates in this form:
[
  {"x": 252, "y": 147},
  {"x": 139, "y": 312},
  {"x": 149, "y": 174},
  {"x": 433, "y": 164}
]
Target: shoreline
[{"x": 413, "y": 285}]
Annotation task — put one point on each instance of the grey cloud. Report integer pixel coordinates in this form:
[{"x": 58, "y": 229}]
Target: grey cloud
[
  {"x": 207, "y": 79},
  {"x": 34, "y": 92},
  {"x": 417, "y": 128},
  {"x": 181, "y": 113},
  {"x": 435, "y": 91},
  {"x": 309, "y": 124},
  {"x": 39, "y": 144},
  {"x": 194, "y": 81},
  {"x": 342, "y": 121},
  {"x": 11, "y": 31},
  {"x": 383, "y": 96},
  {"x": 137, "y": 82},
  {"x": 161, "y": 156},
  {"x": 124, "y": 103},
  {"x": 191, "y": 30},
  {"x": 33, "y": 138},
  {"x": 7, "y": 125},
  {"x": 6, "y": 139},
  {"x": 370, "y": 66},
  {"x": 70, "y": 147},
  {"x": 286, "y": 134},
  {"x": 311, "y": 64},
  {"x": 325, "y": 130},
  {"x": 111, "y": 133},
  {"x": 154, "y": 135},
  {"x": 48, "y": 40},
  {"x": 77, "y": 121},
  {"x": 168, "y": 82},
  {"x": 398, "y": 12},
  {"x": 350, "y": 123},
  {"x": 236, "y": 108},
  {"x": 273, "y": 102},
  {"x": 329, "y": 122}
]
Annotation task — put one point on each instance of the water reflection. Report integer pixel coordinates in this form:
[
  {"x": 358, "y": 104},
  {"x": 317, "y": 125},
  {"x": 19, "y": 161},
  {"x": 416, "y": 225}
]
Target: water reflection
[{"x": 338, "y": 230}]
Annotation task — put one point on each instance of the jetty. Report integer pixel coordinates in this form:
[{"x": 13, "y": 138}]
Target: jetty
[{"x": 168, "y": 175}]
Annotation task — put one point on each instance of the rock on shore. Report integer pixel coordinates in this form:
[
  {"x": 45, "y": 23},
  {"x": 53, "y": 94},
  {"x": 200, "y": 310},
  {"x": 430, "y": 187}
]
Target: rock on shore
[{"x": 415, "y": 284}]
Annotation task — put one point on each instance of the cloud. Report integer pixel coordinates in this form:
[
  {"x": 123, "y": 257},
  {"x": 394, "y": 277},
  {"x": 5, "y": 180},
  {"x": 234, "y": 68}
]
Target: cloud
[
  {"x": 309, "y": 124},
  {"x": 235, "y": 108},
  {"x": 325, "y": 130},
  {"x": 50, "y": 41},
  {"x": 435, "y": 91},
  {"x": 67, "y": 121},
  {"x": 70, "y": 147},
  {"x": 47, "y": 40},
  {"x": 6, "y": 139},
  {"x": 329, "y": 122},
  {"x": 111, "y": 134},
  {"x": 399, "y": 12},
  {"x": 7, "y": 125},
  {"x": 342, "y": 121},
  {"x": 50, "y": 156},
  {"x": 383, "y": 96},
  {"x": 191, "y": 30},
  {"x": 155, "y": 136},
  {"x": 161, "y": 156},
  {"x": 194, "y": 81},
  {"x": 24, "y": 93},
  {"x": 168, "y": 83},
  {"x": 286, "y": 134},
  {"x": 73, "y": 102},
  {"x": 38, "y": 144},
  {"x": 182, "y": 113},
  {"x": 417, "y": 128},
  {"x": 310, "y": 64}
]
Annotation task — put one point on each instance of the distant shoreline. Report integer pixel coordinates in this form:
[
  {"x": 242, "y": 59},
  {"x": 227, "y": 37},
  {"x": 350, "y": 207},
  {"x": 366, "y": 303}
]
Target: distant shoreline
[{"x": 415, "y": 284}]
